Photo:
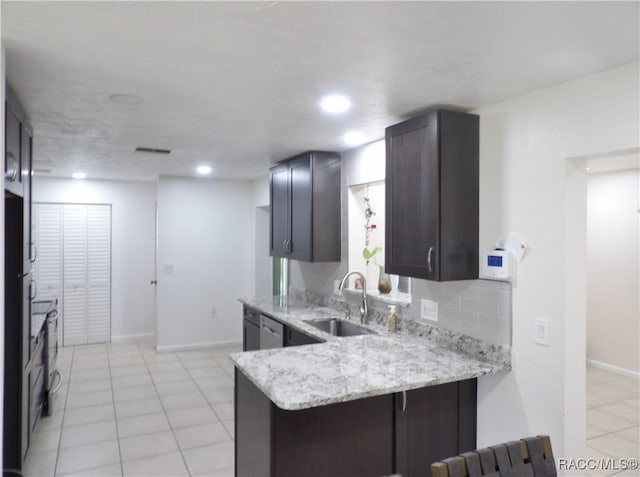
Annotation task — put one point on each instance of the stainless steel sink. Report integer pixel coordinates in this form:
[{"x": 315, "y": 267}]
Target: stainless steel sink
[{"x": 337, "y": 327}]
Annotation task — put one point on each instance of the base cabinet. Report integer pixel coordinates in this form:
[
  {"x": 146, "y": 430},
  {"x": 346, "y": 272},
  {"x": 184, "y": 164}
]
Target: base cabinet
[
  {"x": 433, "y": 423},
  {"x": 352, "y": 438},
  {"x": 400, "y": 433},
  {"x": 250, "y": 329},
  {"x": 296, "y": 338}
]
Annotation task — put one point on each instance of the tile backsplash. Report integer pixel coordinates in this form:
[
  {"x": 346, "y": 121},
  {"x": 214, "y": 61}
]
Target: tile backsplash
[{"x": 478, "y": 308}]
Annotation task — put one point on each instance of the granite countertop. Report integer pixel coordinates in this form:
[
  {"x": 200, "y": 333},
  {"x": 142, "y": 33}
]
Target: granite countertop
[{"x": 348, "y": 368}]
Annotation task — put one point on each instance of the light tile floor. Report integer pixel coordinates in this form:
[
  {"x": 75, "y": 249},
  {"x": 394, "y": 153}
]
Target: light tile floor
[
  {"x": 613, "y": 425},
  {"x": 126, "y": 410}
]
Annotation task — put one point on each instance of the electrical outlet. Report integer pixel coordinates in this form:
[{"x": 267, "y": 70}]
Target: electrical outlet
[
  {"x": 214, "y": 314},
  {"x": 429, "y": 310},
  {"x": 336, "y": 288},
  {"x": 541, "y": 331}
]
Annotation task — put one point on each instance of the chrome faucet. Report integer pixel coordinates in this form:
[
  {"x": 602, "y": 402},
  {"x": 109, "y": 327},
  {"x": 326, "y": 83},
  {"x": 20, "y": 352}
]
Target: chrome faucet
[{"x": 363, "y": 308}]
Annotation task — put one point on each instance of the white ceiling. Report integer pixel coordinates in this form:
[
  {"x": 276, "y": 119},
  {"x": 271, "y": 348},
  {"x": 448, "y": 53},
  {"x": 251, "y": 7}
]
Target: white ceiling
[{"x": 236, "y": 84}]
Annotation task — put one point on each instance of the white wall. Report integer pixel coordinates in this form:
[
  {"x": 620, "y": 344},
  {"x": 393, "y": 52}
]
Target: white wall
[
  {"x": 528, "y": 185},
  {"x": 206, "y": 262},
  {"x": 132, "y": 244},
  {"x": 613, "y": 306},
  {"x": 261, "y": 192}
]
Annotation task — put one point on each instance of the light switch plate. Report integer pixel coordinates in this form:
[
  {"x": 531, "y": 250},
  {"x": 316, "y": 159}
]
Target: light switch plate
[
  {"x": 541, "y": 331},
  {"x": 429, "y": 310}
]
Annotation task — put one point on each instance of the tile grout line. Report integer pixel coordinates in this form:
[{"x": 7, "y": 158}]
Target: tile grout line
[
  {"x": 64, "y": 411},
  {"x": 208, "y": 403},
  {"x": 164, "y": 410},
  {"x": 610, "y": 433},
  {"x": 115, "y": 412}
]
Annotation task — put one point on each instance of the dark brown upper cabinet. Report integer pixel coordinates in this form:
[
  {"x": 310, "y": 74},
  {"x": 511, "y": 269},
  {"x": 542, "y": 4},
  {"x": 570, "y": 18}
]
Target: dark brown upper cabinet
[
  {"x": 305, "y": 207},
  {"x": 13, "y": 146},
  {"x": 432, "y": 196}
]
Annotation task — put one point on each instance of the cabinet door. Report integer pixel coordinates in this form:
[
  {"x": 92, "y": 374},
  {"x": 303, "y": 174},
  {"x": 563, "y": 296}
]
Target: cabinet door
[
  {"x": 280, "y": 228},
  {"x": 412, "y": 190},
  {"x": 301, "y": 208},
  {"x": 251, "y": 336},
  {"x": 434, "y": 423},
  {"x": 28, "y": 291},
  {"x": 12, "y": 165},
  {"x": 25, "y": 419},
  {"x": 26, "y": 161},
  {"x": 296, "y": 338}
]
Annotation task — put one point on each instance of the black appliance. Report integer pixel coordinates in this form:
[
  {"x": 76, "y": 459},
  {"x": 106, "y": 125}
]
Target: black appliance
[{"x": 45, "y": 312}]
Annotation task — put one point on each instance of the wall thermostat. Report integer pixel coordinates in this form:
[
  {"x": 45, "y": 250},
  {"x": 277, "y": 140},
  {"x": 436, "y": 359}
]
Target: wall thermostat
[{"x": 496, "y": 265}]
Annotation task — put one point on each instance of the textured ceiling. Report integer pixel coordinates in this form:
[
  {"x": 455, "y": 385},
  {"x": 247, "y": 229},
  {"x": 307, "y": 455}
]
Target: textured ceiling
[{"x": 236, "y": 84}]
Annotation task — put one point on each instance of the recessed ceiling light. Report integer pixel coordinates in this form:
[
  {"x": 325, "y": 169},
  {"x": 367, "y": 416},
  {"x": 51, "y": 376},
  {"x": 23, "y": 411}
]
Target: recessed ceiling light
[
  {"x": 79, "y": 175},
  {"x": 335, "y": 103},
  {"x": 354, "y": 138},
  {"x": 203, "y": 170},
  {"x": 125, "y": 99}
]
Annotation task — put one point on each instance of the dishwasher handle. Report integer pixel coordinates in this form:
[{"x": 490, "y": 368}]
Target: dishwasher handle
[{"x": 271, "y": 333}]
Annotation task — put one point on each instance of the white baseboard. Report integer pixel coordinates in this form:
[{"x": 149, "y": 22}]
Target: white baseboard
[
  {"x": 613, "y": 369},
  {"x": 125, "y": 338},
  {"x": 195, "y": 346}
]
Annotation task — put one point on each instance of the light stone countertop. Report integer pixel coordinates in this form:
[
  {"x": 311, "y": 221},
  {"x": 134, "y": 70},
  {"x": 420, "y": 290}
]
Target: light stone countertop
[{"x": 348, "y": 368}]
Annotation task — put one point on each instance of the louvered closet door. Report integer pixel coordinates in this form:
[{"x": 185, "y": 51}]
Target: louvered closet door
[
  {"x": 99, "y": 273},
  {"x": 47, "y": 226},
  {"x": 74, "y": 265},
  {"x": 74, "y": 239}
]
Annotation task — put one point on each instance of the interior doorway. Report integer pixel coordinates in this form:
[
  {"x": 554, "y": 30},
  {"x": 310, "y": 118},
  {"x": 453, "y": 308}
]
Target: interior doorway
[
  {"x": 613, "y": 306},
  {"x": 613, "y": 284},
  {"x": 579, "y": 400}
]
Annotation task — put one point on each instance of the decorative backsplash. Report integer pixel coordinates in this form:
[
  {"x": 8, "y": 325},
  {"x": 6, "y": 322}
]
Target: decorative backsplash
[
  {"x": 378, "y": 312},
  {"x": 478, "y": 308}
]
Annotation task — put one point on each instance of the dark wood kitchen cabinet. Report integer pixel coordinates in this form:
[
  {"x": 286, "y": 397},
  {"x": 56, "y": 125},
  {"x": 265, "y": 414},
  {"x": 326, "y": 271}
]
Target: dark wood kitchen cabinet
[
  {"x": 19, "y": 409},
  {"x": 433, "y": 423},
  {"x": 432, "y": 187},
  {"x": 250, "y": 329},
  {"x": 251, "y": 332},
  {"x": 345, "y": 439},
  {"x": 296, "y": 338},
  {"x": 402, "y": 433},
  {"x": 305, "y": 207},
  {"x": 13, "y": 146},
  {"x": 27, "y": 169}
]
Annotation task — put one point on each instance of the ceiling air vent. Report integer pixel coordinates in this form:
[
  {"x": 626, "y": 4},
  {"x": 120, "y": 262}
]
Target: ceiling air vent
[{"x": 153, "y": 150}]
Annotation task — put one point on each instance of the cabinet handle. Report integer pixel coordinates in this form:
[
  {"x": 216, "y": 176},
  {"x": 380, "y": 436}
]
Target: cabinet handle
[
  {"x": 12, "y": 167},
  {"x": 34, "y": 290},
  {"x": 57, "y": 374},
  {"x": 35, "y": 253},
  {"x": 404, "y": 401},
  {"x": 429, "y": 253},
  {"x": 284, "y": 245}
]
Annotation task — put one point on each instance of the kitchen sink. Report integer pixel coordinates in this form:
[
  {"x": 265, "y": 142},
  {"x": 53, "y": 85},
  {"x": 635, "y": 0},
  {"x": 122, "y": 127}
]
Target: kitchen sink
[{"x": 337, "y": 327}]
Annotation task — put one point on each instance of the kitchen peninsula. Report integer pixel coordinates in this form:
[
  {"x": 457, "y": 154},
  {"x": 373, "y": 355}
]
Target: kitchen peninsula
[{"x": 373, "y": 404}]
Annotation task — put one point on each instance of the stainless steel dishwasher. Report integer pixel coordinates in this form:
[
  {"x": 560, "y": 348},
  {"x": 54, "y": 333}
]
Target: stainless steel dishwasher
[{"x": 271, "y": 333}]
